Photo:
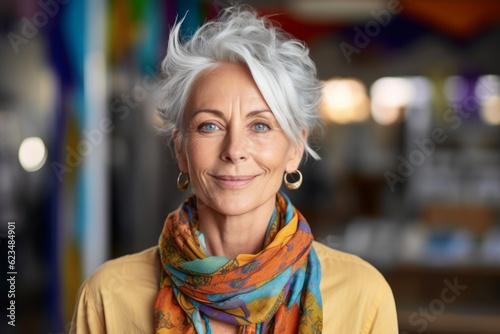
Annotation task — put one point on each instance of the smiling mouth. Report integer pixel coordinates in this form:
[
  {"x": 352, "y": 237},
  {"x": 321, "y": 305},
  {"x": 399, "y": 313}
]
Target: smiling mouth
[{"x": 234, "y": 182}]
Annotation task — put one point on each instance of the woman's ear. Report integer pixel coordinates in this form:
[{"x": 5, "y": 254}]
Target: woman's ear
[
  {"x": 296, "y": 154},
  {"x": 180, "y": 153}
]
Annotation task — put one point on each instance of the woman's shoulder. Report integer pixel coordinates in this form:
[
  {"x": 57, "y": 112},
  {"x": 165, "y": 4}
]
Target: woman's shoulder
[
  {"x": 356, "y": 292},
  {"x": 142, "y": 266},
  {"x": 147, "y": 257},
  {"x": 119, "y": 295},
  {"x": 333, "y": 260}
]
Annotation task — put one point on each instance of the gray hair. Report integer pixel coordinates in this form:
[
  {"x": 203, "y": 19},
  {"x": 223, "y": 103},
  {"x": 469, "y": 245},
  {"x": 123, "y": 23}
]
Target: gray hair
[{"x": 280, "y": 66}]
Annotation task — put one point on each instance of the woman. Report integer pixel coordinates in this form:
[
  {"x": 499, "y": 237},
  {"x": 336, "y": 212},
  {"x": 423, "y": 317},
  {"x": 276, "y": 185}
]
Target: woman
[{"x": 239, "y": 101}]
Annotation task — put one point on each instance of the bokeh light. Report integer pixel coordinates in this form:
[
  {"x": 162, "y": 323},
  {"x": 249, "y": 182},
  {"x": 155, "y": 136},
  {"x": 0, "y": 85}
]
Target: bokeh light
[
  {"x": 345, "y": 101},
  {"x": 390, "y": 95},
  {"x": 32, "y": 154},
  {"x": 487, "y": 90}
]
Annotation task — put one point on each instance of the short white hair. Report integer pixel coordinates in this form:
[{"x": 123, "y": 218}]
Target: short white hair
[{"x": 280, "y": 65}]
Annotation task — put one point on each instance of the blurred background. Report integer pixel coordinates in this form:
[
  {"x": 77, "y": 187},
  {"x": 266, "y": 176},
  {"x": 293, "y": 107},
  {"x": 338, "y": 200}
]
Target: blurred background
[{"x": 410, "y": 171}]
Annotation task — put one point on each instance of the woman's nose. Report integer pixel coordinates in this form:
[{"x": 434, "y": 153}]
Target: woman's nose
[{"x": 235, "y": 146}]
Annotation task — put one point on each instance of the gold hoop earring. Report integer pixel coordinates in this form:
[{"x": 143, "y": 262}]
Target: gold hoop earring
[
  {"x": 182, "y": 186},
  {"x": 293, "y": 185}
]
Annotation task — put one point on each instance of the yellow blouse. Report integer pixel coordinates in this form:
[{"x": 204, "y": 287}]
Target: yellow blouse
[{"x": 119, "y": 297}]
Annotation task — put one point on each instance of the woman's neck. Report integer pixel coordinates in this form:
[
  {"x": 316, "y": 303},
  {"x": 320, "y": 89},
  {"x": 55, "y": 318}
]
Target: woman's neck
[{"x": 230, "y": 236}]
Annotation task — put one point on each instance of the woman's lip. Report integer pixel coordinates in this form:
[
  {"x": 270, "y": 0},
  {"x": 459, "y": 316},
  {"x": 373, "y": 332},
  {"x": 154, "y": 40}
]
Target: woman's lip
[{"x": 234, "y": 182}]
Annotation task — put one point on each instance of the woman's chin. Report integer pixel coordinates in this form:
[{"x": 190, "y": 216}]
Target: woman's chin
[{"x": 234, "y": 204}]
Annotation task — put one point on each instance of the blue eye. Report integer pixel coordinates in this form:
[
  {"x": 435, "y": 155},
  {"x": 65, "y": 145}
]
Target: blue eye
[
  {"x": 209, "y": 127},
  {"x": 261, "y": 127}
]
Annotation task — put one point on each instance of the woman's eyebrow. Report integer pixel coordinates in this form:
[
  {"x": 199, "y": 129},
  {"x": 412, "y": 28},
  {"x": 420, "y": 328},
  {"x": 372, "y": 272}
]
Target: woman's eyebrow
[
  {"x": 258, "y": 112},
  {"x": 216, "y": 112},
  {"x": 219, "y": 113}
]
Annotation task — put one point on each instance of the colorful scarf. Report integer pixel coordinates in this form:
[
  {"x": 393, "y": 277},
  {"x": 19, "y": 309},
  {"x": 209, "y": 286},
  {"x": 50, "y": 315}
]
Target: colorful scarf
[{"x": 274, "y": 291}]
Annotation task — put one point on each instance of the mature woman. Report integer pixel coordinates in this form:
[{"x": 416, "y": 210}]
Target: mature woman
[{"x": 239, "y": 102}]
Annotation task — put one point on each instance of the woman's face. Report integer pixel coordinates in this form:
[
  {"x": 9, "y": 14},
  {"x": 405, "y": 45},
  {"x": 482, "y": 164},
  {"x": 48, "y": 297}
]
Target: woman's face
[{"x": 232, "y": 145}]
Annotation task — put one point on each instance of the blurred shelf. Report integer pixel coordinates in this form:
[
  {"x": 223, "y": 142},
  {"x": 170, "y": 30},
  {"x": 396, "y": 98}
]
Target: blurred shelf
[
  {"x": 455, "y": 299},
  {"x": 467, "y": 269},
  {"x": 450, "y": 323}
]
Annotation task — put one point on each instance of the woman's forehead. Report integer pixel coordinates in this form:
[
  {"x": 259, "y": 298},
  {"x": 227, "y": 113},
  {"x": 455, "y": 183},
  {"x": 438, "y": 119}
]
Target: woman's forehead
[{"x": 227, "y": 83}]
